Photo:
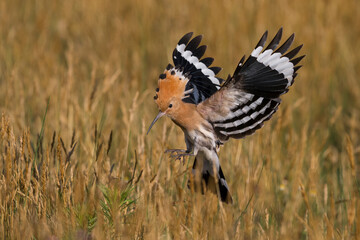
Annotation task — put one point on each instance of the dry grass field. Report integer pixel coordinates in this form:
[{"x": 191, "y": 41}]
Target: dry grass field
[{"x": 77, "y": 81}]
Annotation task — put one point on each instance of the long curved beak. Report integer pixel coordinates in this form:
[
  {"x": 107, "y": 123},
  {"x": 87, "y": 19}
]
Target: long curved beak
[{"x": 156, "y": 118}]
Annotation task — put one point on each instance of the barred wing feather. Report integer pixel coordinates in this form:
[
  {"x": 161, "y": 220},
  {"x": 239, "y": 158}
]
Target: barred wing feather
[
  {"x": 252, "y": 95},
  {"x": 202, "y": 78}
]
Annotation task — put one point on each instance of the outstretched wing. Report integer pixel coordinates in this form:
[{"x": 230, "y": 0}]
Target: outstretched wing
[
  {"x": 188, "y": 61},
  {"x": 251, "y": 96}
]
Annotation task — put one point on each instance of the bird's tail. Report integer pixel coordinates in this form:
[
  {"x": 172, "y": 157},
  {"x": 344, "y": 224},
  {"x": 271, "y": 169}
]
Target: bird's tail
[{"x": 206, "y": 181}]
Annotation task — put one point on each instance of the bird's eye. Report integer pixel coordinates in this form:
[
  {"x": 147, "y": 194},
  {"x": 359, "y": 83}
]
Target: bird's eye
[{"x": 170, "y": 106}]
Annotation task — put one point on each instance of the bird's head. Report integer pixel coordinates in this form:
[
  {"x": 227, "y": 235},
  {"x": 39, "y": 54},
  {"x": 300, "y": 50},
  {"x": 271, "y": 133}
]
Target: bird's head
[{"x": 169, "y": 93}]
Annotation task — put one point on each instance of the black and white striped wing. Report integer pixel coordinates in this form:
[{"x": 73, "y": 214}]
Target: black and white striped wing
[
  {"x": 246, "y": 116},
  {"x": 202, "y": 78},
  {"x": 251, "y": 95}
]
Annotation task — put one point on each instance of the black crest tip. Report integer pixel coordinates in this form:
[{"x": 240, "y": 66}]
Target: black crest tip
[
  {"x": 169, "y": 66},
  {"x": 162, "y": 76}
]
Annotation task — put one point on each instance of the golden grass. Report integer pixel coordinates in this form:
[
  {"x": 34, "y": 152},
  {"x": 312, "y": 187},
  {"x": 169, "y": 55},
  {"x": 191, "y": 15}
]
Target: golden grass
[{"x": 84, "y": 168}]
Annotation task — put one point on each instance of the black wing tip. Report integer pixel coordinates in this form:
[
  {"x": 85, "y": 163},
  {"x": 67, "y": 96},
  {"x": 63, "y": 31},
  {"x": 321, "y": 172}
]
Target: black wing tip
[
  {"x": 194, "y": 43},
  {"x": 197, "y": 38},
  {"x": 203, "y": 84},
  {"x": 292, "y": 36},
  {"x": 297, "y": 68},
  {"x": 297, "y": 60},
  {"x": 286, "y": 45},
  {"x": 300, "y": 46},
  {"x": 200, "y": 51},
  {"x": 262, "y": 40},
  {"x": 216, "y": 70},
  {"x": 239, "y": 66},
  {"x": 293, "y": 52},
  {"x": 276, "y": 40},
  {"x": 186, "y": 38},
  {"x": 279, "y": 32},
  {"x": 241, "y": 62},
  {"x": 207, "y": 61}
]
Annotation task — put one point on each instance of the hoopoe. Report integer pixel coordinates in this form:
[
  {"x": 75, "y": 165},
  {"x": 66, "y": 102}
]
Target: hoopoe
[{"x": 210, "y": 110}]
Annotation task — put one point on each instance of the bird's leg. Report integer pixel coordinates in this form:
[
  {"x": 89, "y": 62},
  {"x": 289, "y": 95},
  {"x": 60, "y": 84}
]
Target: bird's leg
[
  {"x": 177, "y": 154},
  {"x": 172, "y": 151}
]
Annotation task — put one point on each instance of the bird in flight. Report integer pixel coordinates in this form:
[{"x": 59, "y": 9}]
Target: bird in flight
[{"x": 211, "y": 110}]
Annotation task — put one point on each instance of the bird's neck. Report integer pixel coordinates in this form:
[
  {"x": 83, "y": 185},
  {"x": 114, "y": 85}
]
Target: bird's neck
[{"x": 187, "y": 117}]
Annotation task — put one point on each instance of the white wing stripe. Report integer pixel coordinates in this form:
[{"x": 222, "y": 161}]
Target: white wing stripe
[
  {"x": 254, "y": 115},
  {"x": 244, "y": 119},
  {"x": 256, "y": 51},
  {"x": 256, "y": 103},
  {"x": 246, "y": 109},
  {"x": 186, "y": 54},
  {"x": 264, "y": 55},
  {"x": 275, "y": 62},
  {"x": 243, "y": 99},
  {"x": 193, "y": 60},
  {"x": 273, "y": 58},
  {"x": 247, "y": 96},
  {"x": 198, "y": 65},
  {"x": 248, "y": 127},
  {"x": 208, "y": 72},
  {"x": 284, "y": 67},
  {"x": 215, "y": 81},
  {"x": 180, "y": 48}
]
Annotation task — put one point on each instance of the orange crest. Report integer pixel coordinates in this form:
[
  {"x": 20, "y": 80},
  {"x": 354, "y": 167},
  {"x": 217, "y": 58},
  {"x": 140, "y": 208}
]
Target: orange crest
[{"x": 171, "y": 85}]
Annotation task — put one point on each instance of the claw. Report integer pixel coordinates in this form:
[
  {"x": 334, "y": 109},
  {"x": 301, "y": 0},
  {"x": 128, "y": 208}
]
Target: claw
[
  {"x": 177, "y": 154},
  {"x": 172, "y": 151}
]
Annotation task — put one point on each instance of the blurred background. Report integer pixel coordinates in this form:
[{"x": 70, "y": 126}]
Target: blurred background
[{"x": 77, "y": 80}]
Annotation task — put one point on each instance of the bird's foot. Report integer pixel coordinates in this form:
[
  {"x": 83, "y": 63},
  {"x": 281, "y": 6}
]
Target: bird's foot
[
  {"x": 173, "y": 151},
  {"x": 177, "y": 154}
]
